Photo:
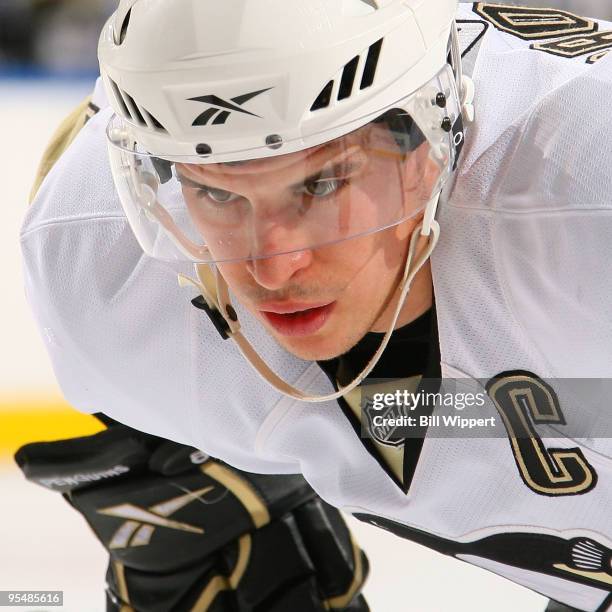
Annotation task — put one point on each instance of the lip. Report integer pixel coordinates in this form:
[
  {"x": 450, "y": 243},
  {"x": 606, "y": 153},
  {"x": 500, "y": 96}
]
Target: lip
[
  {"x": 297, "y": 320},
  {"x": 289, "y": 307}
]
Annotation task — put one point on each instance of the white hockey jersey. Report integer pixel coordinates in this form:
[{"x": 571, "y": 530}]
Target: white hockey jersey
[{"x": 523, "y": 292}]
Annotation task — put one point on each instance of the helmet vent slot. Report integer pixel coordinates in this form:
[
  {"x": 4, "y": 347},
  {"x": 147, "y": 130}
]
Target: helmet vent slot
[
  {"x": 134, "y": 113},
  {"x": 361, "y": 67},
  {"x": 371, "y": 64},
  {"x": 124, "y": 27},
  {"x": 324, "y": 98},
  {"x": 348, "y": 79},
  {"x": 153, "y": 122},
  {"x": 120, "y": 100}
]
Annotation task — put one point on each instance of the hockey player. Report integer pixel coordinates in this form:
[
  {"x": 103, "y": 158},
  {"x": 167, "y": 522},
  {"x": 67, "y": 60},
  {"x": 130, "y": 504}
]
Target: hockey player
[{"x": 297, "y": 164}]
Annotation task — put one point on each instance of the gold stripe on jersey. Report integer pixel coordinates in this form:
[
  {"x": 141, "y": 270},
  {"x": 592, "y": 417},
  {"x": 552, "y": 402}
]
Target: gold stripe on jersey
[
  {"x": 603, "y": 577},
  {"x": 64, "y": 135}
]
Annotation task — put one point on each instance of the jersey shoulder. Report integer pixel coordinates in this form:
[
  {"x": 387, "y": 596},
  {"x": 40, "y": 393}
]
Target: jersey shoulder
[
  {"x": 542, "y": 78},
  {"x": 552, "y": 31}
]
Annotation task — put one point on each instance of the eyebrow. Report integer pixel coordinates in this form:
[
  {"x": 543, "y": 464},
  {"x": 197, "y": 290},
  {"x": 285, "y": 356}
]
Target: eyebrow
[
  {"x": 185, "y": 180},
  {"x": 336, "y": 168}
]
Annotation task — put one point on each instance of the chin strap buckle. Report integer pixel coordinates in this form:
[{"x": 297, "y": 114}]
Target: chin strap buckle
[{"x": 214, "y": 315}]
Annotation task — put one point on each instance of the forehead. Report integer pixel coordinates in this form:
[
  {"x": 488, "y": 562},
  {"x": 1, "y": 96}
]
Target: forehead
[{"x": 360, "y": 139}]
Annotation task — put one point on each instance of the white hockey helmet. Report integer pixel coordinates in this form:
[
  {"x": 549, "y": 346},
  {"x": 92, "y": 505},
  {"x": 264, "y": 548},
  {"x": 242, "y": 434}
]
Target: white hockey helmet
[{"x": 199, "y": 86}]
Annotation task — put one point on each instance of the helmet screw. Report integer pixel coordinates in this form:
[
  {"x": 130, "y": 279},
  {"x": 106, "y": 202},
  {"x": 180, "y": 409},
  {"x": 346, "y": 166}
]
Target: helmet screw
[
  {"x": 203, "y": 149},
  {"x": 231, "y": 313},
  {"x": 274, "y": 141},
  {"x": 447, "y": 124},
  {"x": 441, "y": 100}
]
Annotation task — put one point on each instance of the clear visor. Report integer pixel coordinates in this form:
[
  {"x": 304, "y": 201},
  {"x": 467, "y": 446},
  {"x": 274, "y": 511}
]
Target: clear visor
[{"x": 370, "y": 179}]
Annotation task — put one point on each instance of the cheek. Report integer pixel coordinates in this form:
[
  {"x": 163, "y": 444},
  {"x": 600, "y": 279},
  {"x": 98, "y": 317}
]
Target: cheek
[
  {"x": 379, "y": 278},
  {"x": 237, "y": 277},
  {"x": 209, "y": 229},
  {"x": 396, "y": 246},
  {"x": 194, "y": 211},
  {"x": 370, "y": 265}
]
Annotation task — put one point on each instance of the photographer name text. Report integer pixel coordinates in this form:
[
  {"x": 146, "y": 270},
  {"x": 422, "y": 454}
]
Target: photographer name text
[{"x": 456, "y": 421}]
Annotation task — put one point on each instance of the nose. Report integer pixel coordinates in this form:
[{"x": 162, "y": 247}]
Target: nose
[
  {"x": 273, "y": 273},
  {"x": 275, "y": 270}
]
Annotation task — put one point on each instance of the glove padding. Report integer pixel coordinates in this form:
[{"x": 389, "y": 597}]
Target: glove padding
[{"x": 187, "y": 532}]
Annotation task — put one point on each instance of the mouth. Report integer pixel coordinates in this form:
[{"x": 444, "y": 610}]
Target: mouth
[{"x": 297, "y": 319}]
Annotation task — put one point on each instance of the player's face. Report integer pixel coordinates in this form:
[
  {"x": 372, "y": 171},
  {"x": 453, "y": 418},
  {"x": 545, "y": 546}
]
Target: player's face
[{"x": 319, "y": 302}]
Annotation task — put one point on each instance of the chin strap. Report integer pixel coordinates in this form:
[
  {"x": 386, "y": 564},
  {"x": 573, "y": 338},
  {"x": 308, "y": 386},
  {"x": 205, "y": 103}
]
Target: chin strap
[
  {"x": 465, "y": 85},
  {"x": 215, "y": 292}
]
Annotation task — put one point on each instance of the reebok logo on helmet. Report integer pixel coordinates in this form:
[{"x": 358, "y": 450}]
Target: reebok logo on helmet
[{"x": 219, "y": 104}]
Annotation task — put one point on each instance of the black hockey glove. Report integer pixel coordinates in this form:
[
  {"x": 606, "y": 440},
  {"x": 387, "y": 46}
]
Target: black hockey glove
[{"x": 186, "y": 532}]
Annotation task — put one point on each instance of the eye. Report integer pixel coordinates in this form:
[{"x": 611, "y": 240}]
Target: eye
[
  {"x": 218, "y": 195},
  {"x": 321, "y": 188}
]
